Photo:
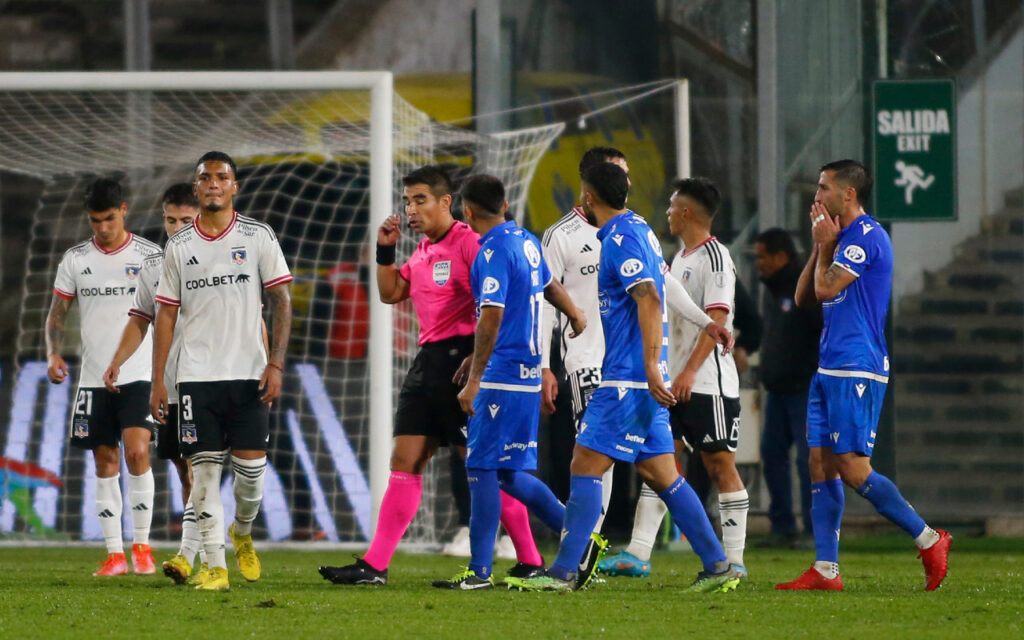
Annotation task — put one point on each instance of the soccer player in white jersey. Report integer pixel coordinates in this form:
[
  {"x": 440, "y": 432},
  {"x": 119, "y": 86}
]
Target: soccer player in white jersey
[
  {"x": 572, "y": 251},
  {"x": 180, "y": 208},
  {"x": 102, "y": 273},
  {"x": 216, "y": 272}
]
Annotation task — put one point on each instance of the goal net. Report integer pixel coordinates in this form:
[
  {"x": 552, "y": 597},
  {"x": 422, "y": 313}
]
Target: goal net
[{"x": 306, "y": 166}]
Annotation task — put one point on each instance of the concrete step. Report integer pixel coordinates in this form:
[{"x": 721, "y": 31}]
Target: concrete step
[
  {"x": 945, "y": 305},
  {"x": 1005, "y": 249},
  {"x": 953, "y": 413},
  {"x": 915, "y": 386},
  {"x": 965, "y": 323},
  {"x": 927, "y": 362},
  {"x": 1014, "y": 197},
  {"x": 979, "y": 336}
]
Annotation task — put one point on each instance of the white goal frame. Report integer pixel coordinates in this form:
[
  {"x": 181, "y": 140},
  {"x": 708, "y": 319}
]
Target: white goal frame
[{"x": 381, "y": 87}]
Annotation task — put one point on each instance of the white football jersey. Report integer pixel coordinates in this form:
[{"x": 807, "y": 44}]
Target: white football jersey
[
  {"x": 708, "y": 274},
  {"x": 218, "y": 283},
  {"x": 145, "y": 307},
  {"x": 104, "y": 283},
  {"x": 573, "y": 252}
]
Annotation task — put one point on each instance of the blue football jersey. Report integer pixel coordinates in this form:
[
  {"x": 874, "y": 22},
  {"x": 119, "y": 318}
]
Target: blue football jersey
[
  {"x": 854, "y": 335},
  {"x": 630, "y": 254},
  {"x": 509, "y": 271}
]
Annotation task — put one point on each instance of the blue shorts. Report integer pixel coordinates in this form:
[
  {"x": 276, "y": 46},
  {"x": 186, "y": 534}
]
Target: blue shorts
[
  {"x": 842, "y": 413},
  {"x": 625, "y": 424},
  {"x": 503, "y": 433}
]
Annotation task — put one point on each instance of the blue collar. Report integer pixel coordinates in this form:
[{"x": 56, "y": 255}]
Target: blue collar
[
  {"x": 501, "y": 228},
  {"x": 608, "y": 226}
]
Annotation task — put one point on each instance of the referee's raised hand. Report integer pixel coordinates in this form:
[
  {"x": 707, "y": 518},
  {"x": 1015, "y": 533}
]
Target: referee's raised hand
[{"x": 389, "y": 232}]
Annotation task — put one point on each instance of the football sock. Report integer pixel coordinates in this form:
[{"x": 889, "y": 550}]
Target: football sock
[
  {"x": 206, "y": 474},
  {"x": 516, "y": 521},
  {"x": 688, "y": 514},
  {"x": 732, "y": 511},
  {"x": 606, "y": 496},
  {"x": 650, "y": 512},
  {"x": 927, "y": 538},
  {"x": 581, "y": 512},
  {"x": 397, "y": 509},
  {"x": 108, "y": 508},
  {"x": 191, "y": 542},
  {"x": 484, "y": 513},
  {"x": 886, "y": 498},
  {"x": 828, "y": 569},
  {"x": 536, "y": 495},
  {"x": 249, "y": 475},
  {"x": 827, "y": 502},
  {"x": 140, "y": 497}
]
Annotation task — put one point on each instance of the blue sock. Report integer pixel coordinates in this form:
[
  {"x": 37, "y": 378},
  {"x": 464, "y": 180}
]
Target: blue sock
[
  {"x": 827, "y": 502},
  {"x": 581, "y": 514},
  {"x": 484, "y": 514},
  {"x": 536, "y": 495},
  {"x": 883, "y": 494},
  {"x": 688, "y": 514}
]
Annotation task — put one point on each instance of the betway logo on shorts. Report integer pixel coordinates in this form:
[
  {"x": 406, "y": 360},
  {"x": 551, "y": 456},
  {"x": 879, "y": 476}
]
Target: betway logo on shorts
[
  {"x": 637, "y": 439},
  {"x": 528, "y": 373},
  {"x": 217, "y": 281},
  {"x": 521, "y": 446}
]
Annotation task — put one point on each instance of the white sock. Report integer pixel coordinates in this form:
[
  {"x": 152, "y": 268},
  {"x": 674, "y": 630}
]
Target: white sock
[
  {"x": 206, "y": 472},
  {"x": 650, "y": 512},
  {"x": 606, "y": 496},
  {"x": 140, "y": 497},
  {"x": 108, "y": 508},
  {"x": 828, "y": 569},
  {"x": 732, "y": 512},
  {"x": 249, "y": 476},
  {"x": 191, "y": 541},
  {"x": 927, "y": 538}
]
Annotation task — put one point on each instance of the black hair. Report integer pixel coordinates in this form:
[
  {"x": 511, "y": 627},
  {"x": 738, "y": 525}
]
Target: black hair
[
  {"x": 852, "y": 174},
  {"x": 610, "y": 183},
  {"x": 777, "y": 240},
  {"x": 180, "y": 195},
  {"x": 484, "y": 193},
  {"x": 218, "y": 156},
  {"x": 598, "y": 155},
  {"x": 702, "y": 190},
  {"x": 103, "y": 194},
  {"x": 432, "y": 175}
]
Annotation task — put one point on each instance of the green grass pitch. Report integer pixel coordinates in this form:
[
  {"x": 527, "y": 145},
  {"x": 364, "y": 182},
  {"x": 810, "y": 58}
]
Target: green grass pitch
[{"x": 49, "y": 593}]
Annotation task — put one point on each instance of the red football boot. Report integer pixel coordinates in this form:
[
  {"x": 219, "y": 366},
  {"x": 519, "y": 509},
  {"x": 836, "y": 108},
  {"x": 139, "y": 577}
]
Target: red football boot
[
  {"x": 812, "y": 580},
  {"x": 936, "y": 560},
  {"x": 142, "y": 559},
  {"x": 115, "y": 565}
]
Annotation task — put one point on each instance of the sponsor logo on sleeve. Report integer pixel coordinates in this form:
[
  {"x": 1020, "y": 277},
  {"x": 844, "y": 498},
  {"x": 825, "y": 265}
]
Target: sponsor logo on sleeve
[
  {"x": 655, "y": 244},
  {"x": 532, "y": 253},
  {"x": 631, "y": 267},
  {"x": 490, "y": 285},
  {"x": 855, "y": 254}
]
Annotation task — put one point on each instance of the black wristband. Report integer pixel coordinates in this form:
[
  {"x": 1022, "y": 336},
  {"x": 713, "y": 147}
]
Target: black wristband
[{"x": 385, "y": 254}]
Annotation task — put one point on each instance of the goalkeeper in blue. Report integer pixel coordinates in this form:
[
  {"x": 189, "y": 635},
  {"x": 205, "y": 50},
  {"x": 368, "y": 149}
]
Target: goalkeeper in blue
[
  {"x": 627, "y": 419},
  {"x": 510, "y": 282}
]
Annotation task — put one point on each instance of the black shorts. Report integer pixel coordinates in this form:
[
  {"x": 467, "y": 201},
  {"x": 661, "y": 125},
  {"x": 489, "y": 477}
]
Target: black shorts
[
  {"x": 583, "y": 384},
  {"x": 100, "y": 416},
  {"x": 167, "y": 436},
  {"x": 428, "y": 404},
  {"x": 707, "y": 423},
  {"x": 219, "y": 415}
]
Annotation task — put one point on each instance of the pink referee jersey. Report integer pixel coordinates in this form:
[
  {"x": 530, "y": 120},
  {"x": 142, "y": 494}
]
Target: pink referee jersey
[{"x": 438, "y": 276}]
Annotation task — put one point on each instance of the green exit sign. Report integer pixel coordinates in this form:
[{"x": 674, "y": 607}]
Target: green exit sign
[{"x": 915, "y": 149}]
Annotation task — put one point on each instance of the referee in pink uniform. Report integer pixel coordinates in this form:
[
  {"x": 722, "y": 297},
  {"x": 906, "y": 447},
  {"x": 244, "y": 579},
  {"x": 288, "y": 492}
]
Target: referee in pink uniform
[{"x": 436, "y": 277}]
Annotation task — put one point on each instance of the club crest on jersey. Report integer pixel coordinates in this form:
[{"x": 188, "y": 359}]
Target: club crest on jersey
[
  {"x": 787, "y": 305},
  {"x": 188, "y": 433},
  {"x": 238, "y": 255},
  {"x": 442, "y": 272},
  {"x": 687, "y": 273},
  {"x": 131, "y": 271},
  {"x": 81, "y": 429},
  {"x": 603, "y": 303}
]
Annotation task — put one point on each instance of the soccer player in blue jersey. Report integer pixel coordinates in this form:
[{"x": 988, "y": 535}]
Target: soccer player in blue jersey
[
  {"x": 850, "y": 272},
  {"x": 510, "y": 282},
  {"x": 627, "y": 419}
]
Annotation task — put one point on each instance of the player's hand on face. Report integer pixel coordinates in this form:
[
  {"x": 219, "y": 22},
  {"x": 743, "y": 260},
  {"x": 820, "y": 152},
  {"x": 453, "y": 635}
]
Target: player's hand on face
[
  {"x": 56, "y": 369},
  {"x": 722, "y": 336},
  {"x": 467, "y": 395},
  {"x": 548, "y": 391},
  {"x": 389, "y": 232},
  {"x": 683, "y": 384},
  {"x": 110, "y": 379},
  {"x": 462, "y": 373},
  {"x": 824, "y": 228},
  {"x": 270, "y": 384},
  {"x": 158, "y": 402},
  {"x": 578, "y": 323}
]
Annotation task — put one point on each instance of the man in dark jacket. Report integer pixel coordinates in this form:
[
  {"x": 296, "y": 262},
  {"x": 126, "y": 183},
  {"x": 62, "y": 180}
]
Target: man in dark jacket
[{"x": 789, "y": 358}]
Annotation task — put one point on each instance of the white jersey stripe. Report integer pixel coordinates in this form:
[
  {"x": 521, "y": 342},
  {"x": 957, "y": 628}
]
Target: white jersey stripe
[
  {"x": 501, "y": 386},
  {"x": 841, "y": 373}
]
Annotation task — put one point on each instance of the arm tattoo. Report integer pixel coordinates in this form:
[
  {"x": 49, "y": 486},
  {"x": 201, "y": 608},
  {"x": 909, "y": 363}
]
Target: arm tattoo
[
  {"x": 55, "y": 324},
  {"x": 832, "y": 273},
  {"x": 281, "y": 316},
  {"x": 642, "y": 290}
]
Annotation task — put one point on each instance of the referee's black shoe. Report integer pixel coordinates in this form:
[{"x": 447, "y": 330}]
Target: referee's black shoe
[
  {"x": 359, "y": 572},
  {"x": 527, "y": 571}
]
